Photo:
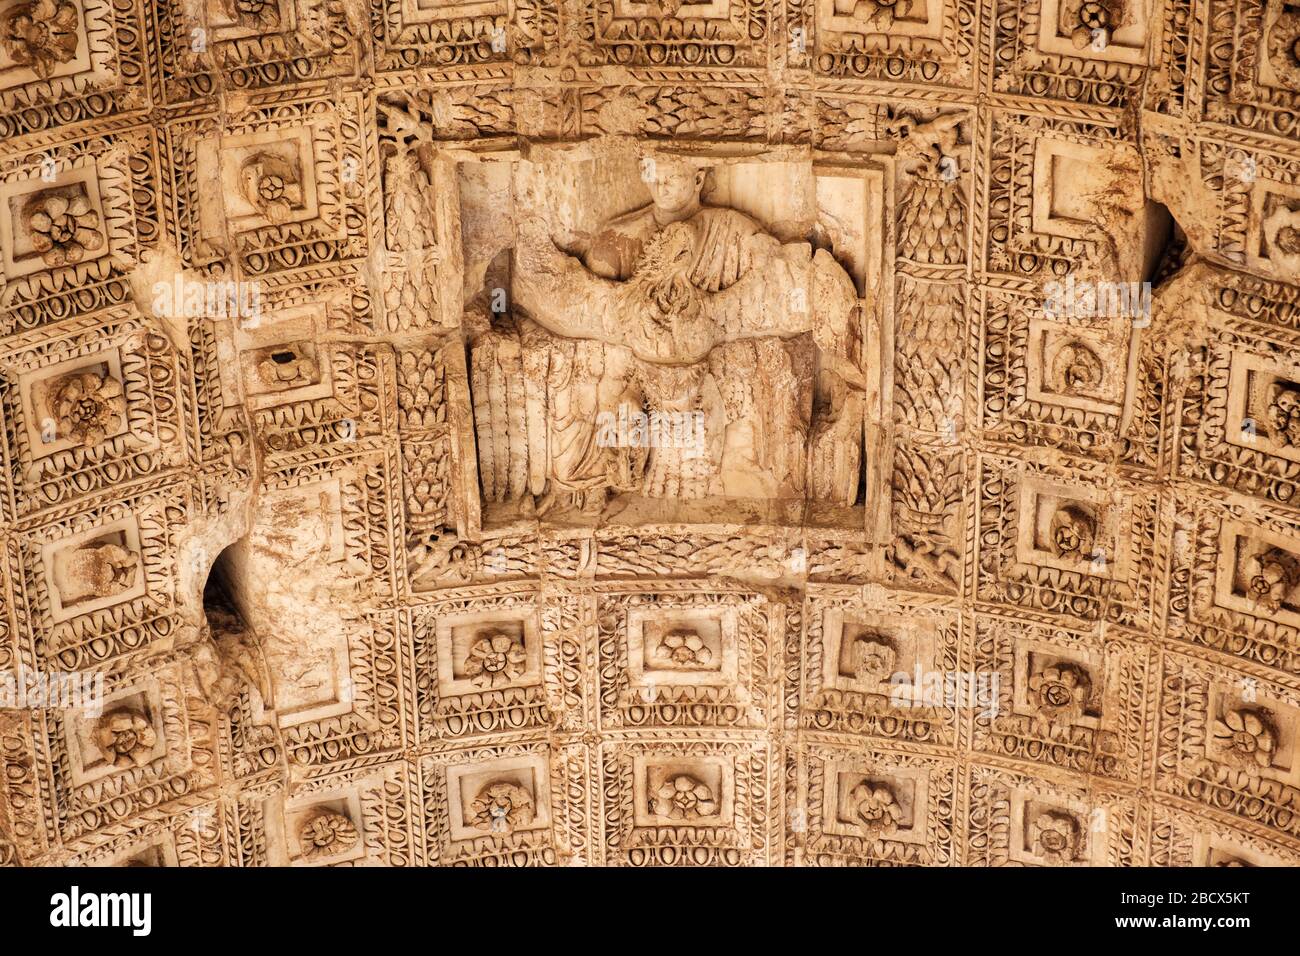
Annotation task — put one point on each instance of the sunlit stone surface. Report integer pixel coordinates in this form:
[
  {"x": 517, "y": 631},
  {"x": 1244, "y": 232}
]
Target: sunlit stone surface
[{"x": 650, "y": 433}]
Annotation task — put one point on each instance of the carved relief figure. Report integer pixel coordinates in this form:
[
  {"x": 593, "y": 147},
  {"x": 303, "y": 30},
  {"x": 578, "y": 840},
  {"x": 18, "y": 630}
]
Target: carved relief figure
[
  {"x": 674, "y": 310},
  {"x": 800, "y": 426},
  {"x": 710, "y": 254}
]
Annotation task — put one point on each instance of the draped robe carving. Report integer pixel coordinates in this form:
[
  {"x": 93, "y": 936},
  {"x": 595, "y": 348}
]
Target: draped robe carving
[{"x": 705, "y": 317}]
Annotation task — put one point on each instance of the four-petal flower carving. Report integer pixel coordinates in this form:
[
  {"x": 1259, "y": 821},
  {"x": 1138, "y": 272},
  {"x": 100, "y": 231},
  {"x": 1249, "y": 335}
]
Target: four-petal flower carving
[{"x": 683, "y": 797}]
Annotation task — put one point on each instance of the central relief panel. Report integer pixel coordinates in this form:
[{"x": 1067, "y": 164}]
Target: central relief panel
[{"x": 659, "y": 337}]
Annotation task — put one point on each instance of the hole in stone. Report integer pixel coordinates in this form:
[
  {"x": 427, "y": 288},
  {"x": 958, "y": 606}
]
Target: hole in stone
[
  {"x": 284, "y": 357},
  {"x": 1166, "y": 245},
  {"x": 220, "y": 602}
]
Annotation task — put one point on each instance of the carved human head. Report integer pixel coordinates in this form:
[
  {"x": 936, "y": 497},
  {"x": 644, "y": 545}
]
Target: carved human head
[{"x": 675, "y": 185}]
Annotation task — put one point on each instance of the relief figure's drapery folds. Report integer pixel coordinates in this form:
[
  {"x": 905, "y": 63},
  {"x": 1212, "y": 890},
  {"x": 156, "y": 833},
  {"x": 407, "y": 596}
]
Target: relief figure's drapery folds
[{"x": 786, "y": 290}]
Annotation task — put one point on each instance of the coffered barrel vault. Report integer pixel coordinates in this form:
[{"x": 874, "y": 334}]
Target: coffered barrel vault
[{"x": 650, "y": 432}]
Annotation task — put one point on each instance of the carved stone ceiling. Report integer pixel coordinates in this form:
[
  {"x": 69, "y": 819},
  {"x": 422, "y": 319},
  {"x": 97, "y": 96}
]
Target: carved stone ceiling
[{"x": 650, "y": 432}]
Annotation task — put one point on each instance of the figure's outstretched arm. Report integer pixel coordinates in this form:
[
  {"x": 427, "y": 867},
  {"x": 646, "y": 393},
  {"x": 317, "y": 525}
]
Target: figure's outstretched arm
[{"x": 555, "y": 290}]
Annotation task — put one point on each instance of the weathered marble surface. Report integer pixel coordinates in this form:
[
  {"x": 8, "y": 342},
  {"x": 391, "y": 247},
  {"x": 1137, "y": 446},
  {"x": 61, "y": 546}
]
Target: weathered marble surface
[{"x": 646, "y": 433}]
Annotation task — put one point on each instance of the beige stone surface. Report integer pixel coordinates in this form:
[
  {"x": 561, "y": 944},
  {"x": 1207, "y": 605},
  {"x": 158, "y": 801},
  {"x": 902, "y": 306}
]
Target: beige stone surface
[{"x": 781, "y": 432}]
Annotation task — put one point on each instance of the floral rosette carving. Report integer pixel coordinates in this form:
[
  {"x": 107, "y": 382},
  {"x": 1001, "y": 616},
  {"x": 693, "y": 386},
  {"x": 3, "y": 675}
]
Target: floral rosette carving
[
  {"x": 63, "y": 229},
  {"x": 285, "y": 369},
  {"x": 685, "y": 649},
  {"x": 105, "y": 569},
  {"x": 875, "y": 808},
  {"x": 1057, "y": 837},
  {"x": 501, "y": 807},
  {"x": 1072, "y": 532},
  {"x": 1076, "y": 370},
  {"x": 1058, "y": 692},
  {"x": 41, "y": 35},
  {"x": 1092, "y": 23},
  {"x": 1284, "y": 415},
  {"x": 1281, "y": 229},
  {"x": 272, "y": 184},
  {"x": 87, "y": 406},
  {"x": 881, "y": 13},
  {"x": 683, "y": 797},
  {"x": 1284, "y": 46},
  {"x": 1271, "y": 576},
  {"x": 327, "y": 833},
  {"x": 261, "y": 14},
  {"x": 1246, "y": 737},
  {"x": 125, "y": 737},
  {"x": 872, "y": 660},
  {"x": 496, "y": 659}
]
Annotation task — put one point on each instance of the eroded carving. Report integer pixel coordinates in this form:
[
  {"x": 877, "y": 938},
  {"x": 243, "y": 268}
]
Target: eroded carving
[
  {"x": 695, "y": 432},
  {"x": 40, "y": 35}
]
